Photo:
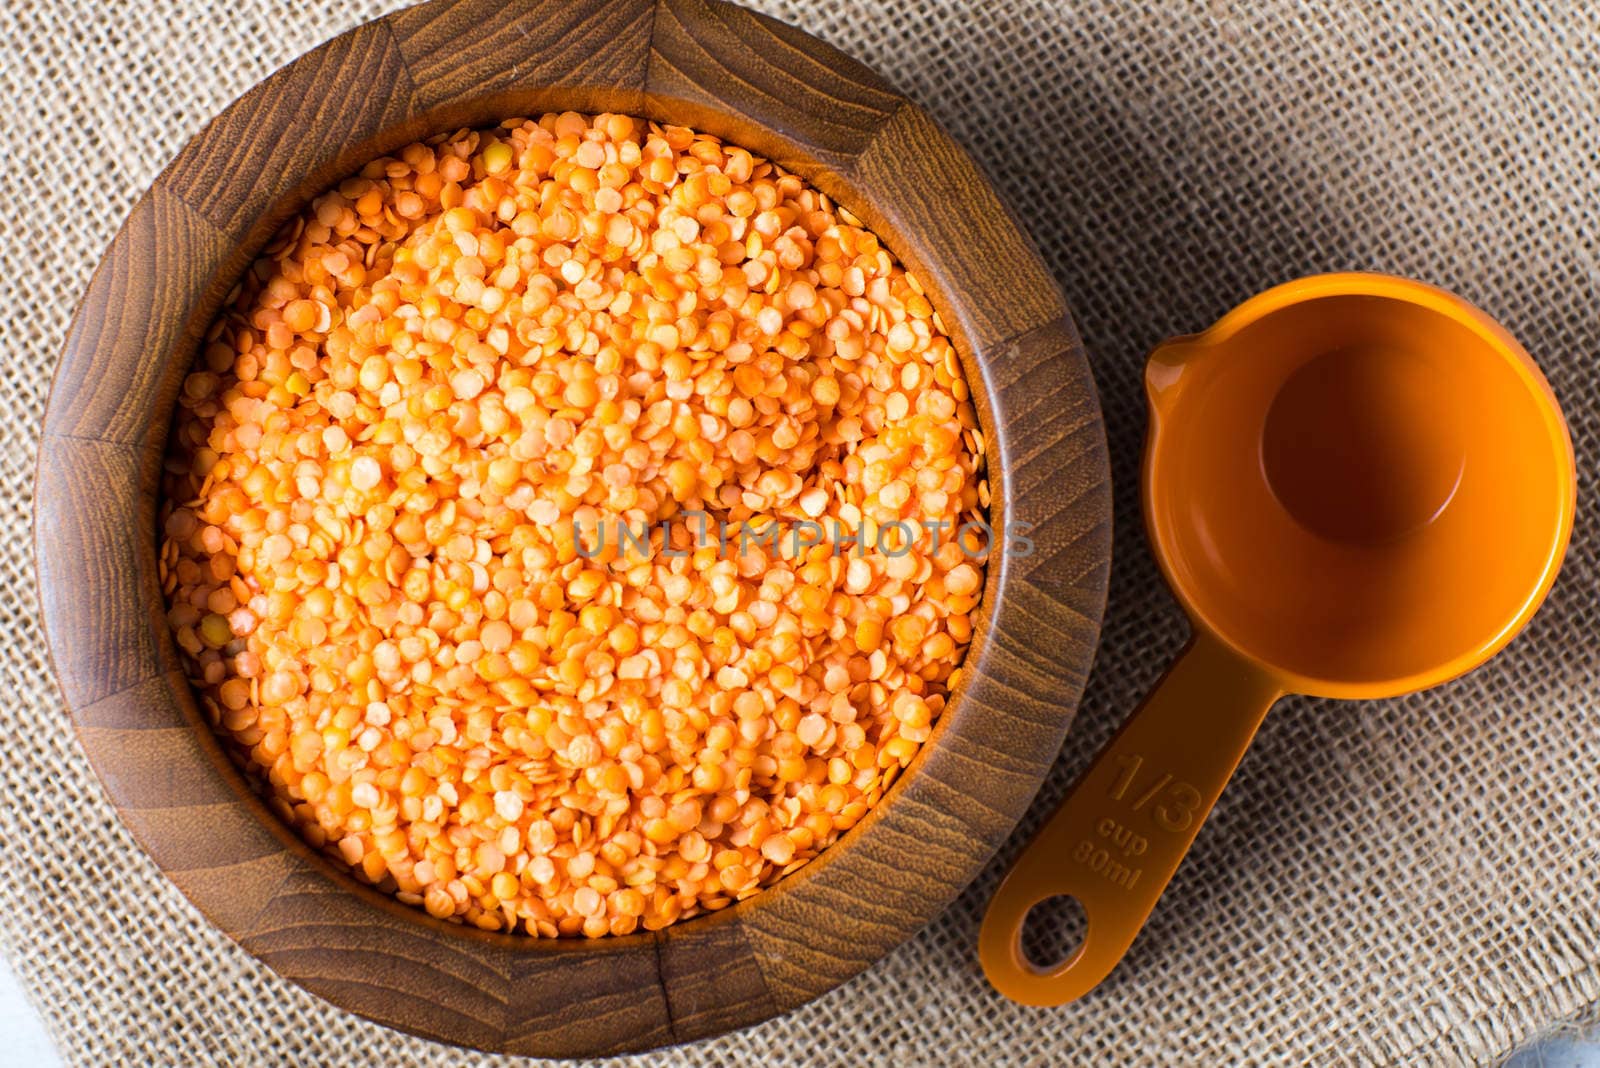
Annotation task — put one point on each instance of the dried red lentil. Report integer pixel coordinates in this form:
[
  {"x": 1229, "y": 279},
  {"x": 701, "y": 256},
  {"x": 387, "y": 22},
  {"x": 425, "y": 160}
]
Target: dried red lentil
[{"x": 427, "y": 380}]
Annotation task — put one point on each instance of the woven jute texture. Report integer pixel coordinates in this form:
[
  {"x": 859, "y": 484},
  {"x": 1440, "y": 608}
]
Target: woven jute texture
[{"x": 1410, "y": 881}]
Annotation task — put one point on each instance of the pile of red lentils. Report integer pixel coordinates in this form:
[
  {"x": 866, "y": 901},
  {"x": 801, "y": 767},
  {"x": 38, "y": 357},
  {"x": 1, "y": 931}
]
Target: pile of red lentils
[{"x": 427, "y": 390}]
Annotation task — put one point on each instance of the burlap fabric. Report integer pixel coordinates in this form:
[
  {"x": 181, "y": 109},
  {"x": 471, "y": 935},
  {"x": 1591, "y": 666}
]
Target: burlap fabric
[{"x": 1405, "y": 881}]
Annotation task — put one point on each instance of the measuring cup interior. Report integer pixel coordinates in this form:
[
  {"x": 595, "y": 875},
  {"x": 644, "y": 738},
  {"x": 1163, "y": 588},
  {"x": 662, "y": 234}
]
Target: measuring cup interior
[{"x": 1369, "y": 494}]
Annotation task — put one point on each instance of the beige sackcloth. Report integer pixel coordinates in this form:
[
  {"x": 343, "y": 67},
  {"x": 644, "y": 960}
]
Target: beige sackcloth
[{"x": 1408, "y": 881}]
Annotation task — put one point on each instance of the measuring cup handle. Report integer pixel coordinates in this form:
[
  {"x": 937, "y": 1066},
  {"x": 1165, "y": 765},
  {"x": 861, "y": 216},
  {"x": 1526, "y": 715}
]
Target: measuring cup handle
[{"x": 1127, "y": 823}]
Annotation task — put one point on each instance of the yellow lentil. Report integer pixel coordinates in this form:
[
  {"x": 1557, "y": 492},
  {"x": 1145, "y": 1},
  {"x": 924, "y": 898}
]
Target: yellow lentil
[{"x": 474, "y": 348}]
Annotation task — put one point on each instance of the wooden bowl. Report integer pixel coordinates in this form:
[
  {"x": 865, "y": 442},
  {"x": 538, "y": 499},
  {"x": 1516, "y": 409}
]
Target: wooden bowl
[{"x": 452, "y": 63}]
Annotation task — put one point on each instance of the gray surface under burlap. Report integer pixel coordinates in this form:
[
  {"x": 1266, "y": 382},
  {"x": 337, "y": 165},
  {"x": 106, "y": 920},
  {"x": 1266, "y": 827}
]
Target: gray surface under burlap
[{"x": 1399, "y": 881}]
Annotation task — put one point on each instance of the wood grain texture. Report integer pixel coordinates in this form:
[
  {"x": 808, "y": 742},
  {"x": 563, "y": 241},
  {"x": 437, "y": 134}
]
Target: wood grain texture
[
  {"x": 711, "y": 977},
  {"x": 98, "y": 587},
  {"x": 763, "y": 84},
  {"x": 310, "y": 123},
  {"x": 472, "y": 59},
  {"x": 946, "y": 204},
  {"x": 155, "y": 292},
  {"x": 447, "y": 63}
]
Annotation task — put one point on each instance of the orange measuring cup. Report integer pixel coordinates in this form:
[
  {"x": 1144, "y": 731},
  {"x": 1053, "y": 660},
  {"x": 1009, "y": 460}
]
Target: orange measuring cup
[{"x": 1356, "y": 486}]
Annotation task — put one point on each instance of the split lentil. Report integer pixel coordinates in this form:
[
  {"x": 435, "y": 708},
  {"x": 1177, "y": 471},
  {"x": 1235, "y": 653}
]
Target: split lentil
[{"x": 438, "y": 376}]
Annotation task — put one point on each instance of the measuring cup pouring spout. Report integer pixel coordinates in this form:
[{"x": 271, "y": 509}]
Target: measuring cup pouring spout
[{"x": 1166, "y": 369}]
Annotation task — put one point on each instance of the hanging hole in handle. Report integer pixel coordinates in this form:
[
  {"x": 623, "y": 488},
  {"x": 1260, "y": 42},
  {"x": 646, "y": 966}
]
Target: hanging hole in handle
[{"x": 1053, "y": 932}]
